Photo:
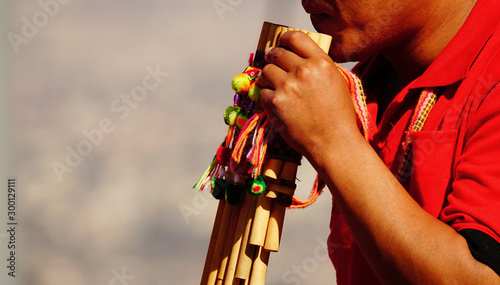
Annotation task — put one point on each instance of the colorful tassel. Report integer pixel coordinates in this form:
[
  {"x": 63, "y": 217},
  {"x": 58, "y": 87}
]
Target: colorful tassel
[
  {"x": 201, "y": 184},
  {"x": 244, "y": 149}
]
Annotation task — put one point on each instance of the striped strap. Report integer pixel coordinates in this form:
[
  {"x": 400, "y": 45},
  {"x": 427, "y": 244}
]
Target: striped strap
[
  {"x": 424, "y": 106},
  {"x": 359, "y": 102}
]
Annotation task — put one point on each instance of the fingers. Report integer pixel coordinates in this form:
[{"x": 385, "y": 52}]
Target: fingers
[
  {"x": 269, "y": 101},
  {"x": 301, "y": 44},
  {"x": 283, "y": 58},
  {"x": 286, "y": 64},
  {"x": 271, "y": 76},
  {"x": 266, "y": 98},
  {"x": 294, "y": 49}
]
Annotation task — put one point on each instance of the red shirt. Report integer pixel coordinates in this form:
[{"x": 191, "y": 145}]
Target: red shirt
[{"x": 456, "y": 157}]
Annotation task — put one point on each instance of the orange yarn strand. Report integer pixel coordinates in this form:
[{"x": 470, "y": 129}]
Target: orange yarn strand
[
  {"x": 242, "y": 139},
  {"x": 319, "y": 185}
]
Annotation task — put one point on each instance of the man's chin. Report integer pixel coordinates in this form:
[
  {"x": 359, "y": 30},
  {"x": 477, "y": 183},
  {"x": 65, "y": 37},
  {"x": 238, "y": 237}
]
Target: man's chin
[
  {"x": 318, "y": 22},
  {"x": 341, "y": 54}
]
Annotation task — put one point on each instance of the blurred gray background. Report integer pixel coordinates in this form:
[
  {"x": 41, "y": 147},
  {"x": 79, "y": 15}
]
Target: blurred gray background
[{"x": 122, "y": 211}]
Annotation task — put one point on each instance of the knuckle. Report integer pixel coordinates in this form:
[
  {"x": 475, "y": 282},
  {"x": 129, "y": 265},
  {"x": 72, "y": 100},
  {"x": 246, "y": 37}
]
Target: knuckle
[
  {"x": 304, "y": 70},
  {"x": 276, "y": 54},
  {"x": 296, "y": 36},
  {"x": 312, "y": 68},
  {"x": 289, "y": 86},
  {"x": 324, "y": 63}
]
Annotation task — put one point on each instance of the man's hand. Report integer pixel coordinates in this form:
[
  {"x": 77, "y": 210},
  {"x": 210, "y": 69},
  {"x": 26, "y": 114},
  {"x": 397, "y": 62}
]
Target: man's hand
[{"x": 306, "y": 97}]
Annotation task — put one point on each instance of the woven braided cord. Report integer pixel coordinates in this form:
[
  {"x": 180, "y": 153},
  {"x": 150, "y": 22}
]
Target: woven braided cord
[
  {"x": 424, "y": 106},
  {"x": 359, "y": 101}
]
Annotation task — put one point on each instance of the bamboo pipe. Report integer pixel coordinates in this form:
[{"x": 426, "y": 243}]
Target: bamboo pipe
[
  {"x": 274, "y": 227},
  {"x": 219, "y": 245},
  {"x": 213, "y": 241},
  {"x": 269, "y": 37},
  {"x": 277, "y": 217},
  {"x": 245, "y": 256},
  {"x": 259, "y": 268},
  {"x": 246, "y": 209},
  {"x": 235, "y": 212},
  {"x": 262, "y": 212},
  {"x": 260, "y": 221},
  {"x": 273, "y": 168}
]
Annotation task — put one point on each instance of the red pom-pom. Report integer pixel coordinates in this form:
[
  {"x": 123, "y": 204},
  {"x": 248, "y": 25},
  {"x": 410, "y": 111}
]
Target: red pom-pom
[{"x": 223, "y": 155}]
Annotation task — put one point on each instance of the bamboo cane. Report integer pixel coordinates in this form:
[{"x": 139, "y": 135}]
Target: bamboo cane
[
  {"x": 219, "y": 245},
  {"x": 235, "y": 212},
  {"x": 213, "y": 241},
  {"x": 259, "y": 268},
  {"x": 275, "y": 225},
  {"x": 246, "y": 209},
  {"x": 262, "y": 212},
  {"x": 245, "y": 256}
]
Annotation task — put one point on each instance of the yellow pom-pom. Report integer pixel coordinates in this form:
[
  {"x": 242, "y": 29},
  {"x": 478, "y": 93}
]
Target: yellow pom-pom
[
  {"x": 231, "y": 115},
  {"x": 253, "y": 92},
  {"x": 241, "y": 83}
]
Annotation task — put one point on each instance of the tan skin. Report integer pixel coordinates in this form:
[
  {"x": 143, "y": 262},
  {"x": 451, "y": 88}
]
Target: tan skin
[{"x": 392, "y": 230}]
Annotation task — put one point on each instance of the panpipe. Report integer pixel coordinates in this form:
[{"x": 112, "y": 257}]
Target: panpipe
[{"x": 254, "y": 182}]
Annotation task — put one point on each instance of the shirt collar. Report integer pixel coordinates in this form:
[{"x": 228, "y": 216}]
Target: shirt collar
[{"x": 453, "y": 63}]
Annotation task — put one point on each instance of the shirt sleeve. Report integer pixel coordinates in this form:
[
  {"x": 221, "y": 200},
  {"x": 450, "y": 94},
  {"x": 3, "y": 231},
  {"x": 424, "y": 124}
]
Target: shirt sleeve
[
  {"x": 484, "y": 248},
  {"x": 473, "y": 205}
]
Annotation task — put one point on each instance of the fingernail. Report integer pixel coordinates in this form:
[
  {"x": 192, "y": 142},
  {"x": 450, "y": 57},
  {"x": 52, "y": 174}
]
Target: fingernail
[{"x": 267, "y": 53}]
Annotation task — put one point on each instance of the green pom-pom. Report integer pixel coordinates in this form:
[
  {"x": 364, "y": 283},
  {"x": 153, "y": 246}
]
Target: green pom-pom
[
  {"x": 254, "y": 92},
  {"x": 231, "y": 114},
  {"x": 234, "y": 194},
  {"x": 256, "y": 186},
  {"x": 248, "y": 184},
  {"x": 219, "y": 186},
  {"x": 241, "y": 83},
  {"x": 242, "y": 120}
]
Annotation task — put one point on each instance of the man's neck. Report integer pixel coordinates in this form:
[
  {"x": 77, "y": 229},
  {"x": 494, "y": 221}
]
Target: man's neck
[{"x": 411, "y": 58}]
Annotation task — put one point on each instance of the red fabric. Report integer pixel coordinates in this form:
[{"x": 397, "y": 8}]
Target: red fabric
[{"x": 456, "y": 157}]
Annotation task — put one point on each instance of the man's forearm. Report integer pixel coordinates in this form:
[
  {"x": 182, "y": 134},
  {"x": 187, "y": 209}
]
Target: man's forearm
[{"x": 401, "y": 241}]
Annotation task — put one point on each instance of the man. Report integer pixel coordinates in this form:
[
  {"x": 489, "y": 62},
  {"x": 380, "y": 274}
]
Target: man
[{"x": 438, "y": 222}]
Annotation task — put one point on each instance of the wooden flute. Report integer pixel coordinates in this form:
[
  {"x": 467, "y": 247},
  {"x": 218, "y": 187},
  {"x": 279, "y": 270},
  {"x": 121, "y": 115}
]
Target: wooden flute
[{"x": 253, "y": 176}]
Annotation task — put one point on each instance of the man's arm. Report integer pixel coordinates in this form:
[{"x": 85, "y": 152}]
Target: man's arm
[{"x": 401, "y": 241}]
